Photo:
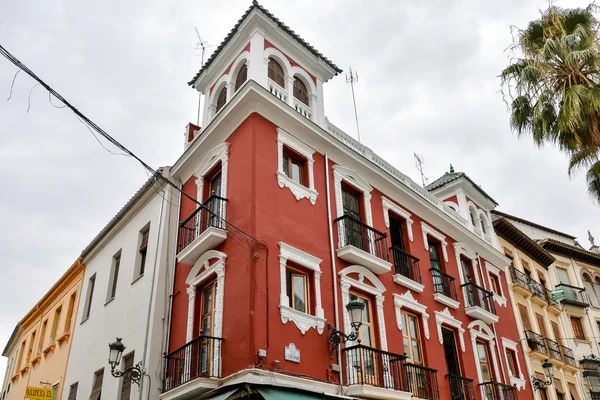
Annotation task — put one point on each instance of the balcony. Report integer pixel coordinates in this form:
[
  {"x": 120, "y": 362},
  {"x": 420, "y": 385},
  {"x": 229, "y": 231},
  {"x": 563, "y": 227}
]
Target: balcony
[
  {"x": 407, "y": 270},
  {"x": 553, "y": 305},
  {"x": 444, "y": 290},
  {"x": 203, "y": 230},
  {"x": 200, "y": 361},
  {"x": 573, "y": 296},
  {"x": 520, "y": 281},
  {"x": 460, "y": 388},
  {"x": 363, "y": 245},
  {"x": 303, "y": 109},
  {"x": 497, "y": 391},
  {"x": 422, "y": 382},
  {"x": 539, "y": 293},
  {"x": 567, "y": 356},
  {"x": 553, "y": 349},
  {"x": 536, "y": 343},
  {"x": 479, "y": 303}
]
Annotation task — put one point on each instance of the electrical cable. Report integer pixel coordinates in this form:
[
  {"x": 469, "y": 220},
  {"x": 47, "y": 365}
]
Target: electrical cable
[
  {"x": 110, "y": 139},
  {"x": 12, "y": 85}
]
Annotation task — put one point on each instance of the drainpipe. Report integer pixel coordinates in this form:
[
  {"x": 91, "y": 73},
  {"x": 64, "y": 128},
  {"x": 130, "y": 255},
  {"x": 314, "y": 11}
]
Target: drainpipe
[
  {"x": 158, "y": 242},
  {"x": 498, "y": 344},
  {"x": 333, "y": 265}
]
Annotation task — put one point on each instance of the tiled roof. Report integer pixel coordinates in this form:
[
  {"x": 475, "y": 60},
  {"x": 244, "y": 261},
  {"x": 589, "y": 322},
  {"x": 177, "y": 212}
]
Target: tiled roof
[
  {"x": 10, "y": 340},
  {"x": 526, "y": 222},
  {"x": 280, "y": 24},
  {"x": 571, "y": 251},
  {"x": 514, "y": 235},
  {"x": 123, "y": 211},
  {"x": 452, "y": 176}
]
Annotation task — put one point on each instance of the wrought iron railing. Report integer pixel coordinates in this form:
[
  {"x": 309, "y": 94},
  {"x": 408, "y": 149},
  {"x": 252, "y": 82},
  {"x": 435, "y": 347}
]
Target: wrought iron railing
[
  {"x": 519, "y": 278},
  {"x": 573, "y": 295},
  {"x": 368, "y": 366},
  {"x": 422, "y": 382},
  {"x": 535, "y": 341},
  {"x": 461, "y": 388},
  {"x": 209, "y": 215},
  {"x": 443, "y": 283},
  {"x": 537, "y": 289},
  {"x": 567, "y": 355},
  {"x": 498, "y": 391},
  {"x": 406, "y": 264},
  {"x": 553, "y": 349},
  {"x": 355, "y": 233},
  {"x": 479, "y": 297},
  {"x": 201, "y": 357}
]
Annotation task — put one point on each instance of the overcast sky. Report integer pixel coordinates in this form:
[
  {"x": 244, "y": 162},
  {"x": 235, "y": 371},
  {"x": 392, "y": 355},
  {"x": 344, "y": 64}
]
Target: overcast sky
[{"x": 427, "y": 84}]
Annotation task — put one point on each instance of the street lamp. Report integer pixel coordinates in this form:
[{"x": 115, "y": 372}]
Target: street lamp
[
  {"x": 549, "y": 371},
  {"x": 591, "y": 373},
  {"x": 355, "y": 308},
  {"x": 115, "y": 353}
]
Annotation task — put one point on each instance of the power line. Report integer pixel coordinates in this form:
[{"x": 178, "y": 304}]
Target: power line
[{"x": 109, "y": 138}]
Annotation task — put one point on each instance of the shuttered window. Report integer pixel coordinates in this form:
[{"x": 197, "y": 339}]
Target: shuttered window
[
  {"x": 143, "y": 251},
  {"x": 525, "y": 317},
  {"x": 222, "y": 99},
  {"x": 300, "y": 91},
  {"x": 241, "y": 76},
  {"x": 276, "y": 73},
  {"x": 126, "y": 386},
  {"x": 73, "y": 391},
  {"x": 97, "y": 388}
]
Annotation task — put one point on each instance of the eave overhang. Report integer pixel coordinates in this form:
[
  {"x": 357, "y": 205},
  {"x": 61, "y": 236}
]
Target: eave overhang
[
  {"x": 515, "y": 236},
  {"x": 570, "y": 251}
]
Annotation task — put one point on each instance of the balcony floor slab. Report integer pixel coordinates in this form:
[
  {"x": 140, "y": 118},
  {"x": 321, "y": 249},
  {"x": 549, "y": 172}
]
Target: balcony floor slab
[{"x": 355, "y": 255}]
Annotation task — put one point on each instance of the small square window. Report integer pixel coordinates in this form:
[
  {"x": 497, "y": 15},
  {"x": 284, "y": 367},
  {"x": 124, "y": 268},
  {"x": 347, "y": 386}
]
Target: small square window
[
  {"x": 511, "y": 358},
  {"x": 577, "y": 328},
  {"x": 298, "y": 290},
  {"x": 293, "y": 166},
  {"x": 495, "y": 285}
]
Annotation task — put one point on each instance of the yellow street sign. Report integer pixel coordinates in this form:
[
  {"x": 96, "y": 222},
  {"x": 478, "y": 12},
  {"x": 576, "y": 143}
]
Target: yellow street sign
[{"x": 36, "y": 393}]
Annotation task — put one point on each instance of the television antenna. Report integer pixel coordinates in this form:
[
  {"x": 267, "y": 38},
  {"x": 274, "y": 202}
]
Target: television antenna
[
  {"x": 351, "y": 77},
  {"x": 200, "y": 45},
  {"x": 419, "y": 162}
]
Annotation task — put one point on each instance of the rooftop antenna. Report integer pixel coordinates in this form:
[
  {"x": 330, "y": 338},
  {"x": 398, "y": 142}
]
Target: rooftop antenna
[
  {"x": 419, "y": 161},
  {"x": 351, "y": 77},
  {"x": 200, "y": 45}
]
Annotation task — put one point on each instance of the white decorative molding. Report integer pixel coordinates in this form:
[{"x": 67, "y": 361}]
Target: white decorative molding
[
  {"x": 452, "y": 205},
  {"x": 408, "y": 301},
  {"x": 518, "y": 381},
  {"x": 388, "y": 206},
  {"x": 214, "y": 156},
  {"x": 500, "y": 300},
  {"x": 372, "y": 286},
  {"x": 302, "y": 320},
  {"x": 408, "y": 283},
  {"x": 445, "y": 300},
  {"x": 195, "y": 277},
  {"x": 353, "y": 179},
  {"x": 445, "y": 318},
  {"x": 429, "y": 231},
  {"x": 299, "y": 191},
  {"x": 480, "y": 330}
]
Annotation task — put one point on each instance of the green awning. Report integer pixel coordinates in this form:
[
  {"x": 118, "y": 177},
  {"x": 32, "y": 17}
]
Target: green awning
[
  {"x": 224, "y": 395},
  {"x": 283, "y": 394}
]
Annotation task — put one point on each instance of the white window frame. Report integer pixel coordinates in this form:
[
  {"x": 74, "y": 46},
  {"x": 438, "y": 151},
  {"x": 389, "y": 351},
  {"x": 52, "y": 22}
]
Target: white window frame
[
  {"x": 303, "y": 321},
  {"x": 195, "y": 278},
  {"x": 500, "y": 299},
  {"x": 298, "y": 190},
  {"x": 429, "y": 231},
  {"x": 407, "y": 301},
  {"x": 388, "y": 206},
  {"x": 460, "y": 249},
  {"x": 518, "y": 381},
  {"x": 214, "y": 156},
  {"x": 480, "y": 330},
  {"x": 446, "y": 318}
]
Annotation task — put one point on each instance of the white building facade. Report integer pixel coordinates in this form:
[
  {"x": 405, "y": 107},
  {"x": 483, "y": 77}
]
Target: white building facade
[{"x": 124, "y": 295}]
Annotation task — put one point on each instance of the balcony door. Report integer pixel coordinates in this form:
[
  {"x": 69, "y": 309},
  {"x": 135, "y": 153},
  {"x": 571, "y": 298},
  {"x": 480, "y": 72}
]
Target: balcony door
[
  {"x": 485, "y": 368},
  {"x": 458, "y": 390},
  {"x": 467, "y": 270},
  {"x": 353, "y": 227},
  {"x": 365, "y": 366},
  {"x": 399, "y": 251},
  {"x": 215, "y": 204},
  {"x": 207, "y": 317}
]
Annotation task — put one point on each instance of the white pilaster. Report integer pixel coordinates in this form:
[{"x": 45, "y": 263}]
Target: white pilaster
[
  {"x": 318, "y": 106},
  {"x": 191, "y": 291},
  {"x": 257, "y": 69}
]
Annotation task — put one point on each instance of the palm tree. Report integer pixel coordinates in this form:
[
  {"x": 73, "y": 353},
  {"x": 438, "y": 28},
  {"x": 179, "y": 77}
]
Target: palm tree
[{"x": 554, "y": 86}]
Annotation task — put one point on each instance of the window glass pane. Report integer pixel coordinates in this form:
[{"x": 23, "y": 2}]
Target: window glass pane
[
  {"x": 296, "y": 171},
  {"x": 206, "y": 326},
  {"x": 413, "y": 326},
  {"x": 207, "y": 302},
  {"x": 416, "y": 351},
  {"x": 366, "y": 335},
  {"x": 563, "y": 275},
  {"x": 406, "y": 348},
  {"x": 481, "y": 352},
  {"x": 299, "y": 293},
  {"x": 286, "y": 166}
]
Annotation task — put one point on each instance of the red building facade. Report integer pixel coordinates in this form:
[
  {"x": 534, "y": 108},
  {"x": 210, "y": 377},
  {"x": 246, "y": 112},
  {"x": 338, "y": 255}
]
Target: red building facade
[{"x": 298, "y": 220}]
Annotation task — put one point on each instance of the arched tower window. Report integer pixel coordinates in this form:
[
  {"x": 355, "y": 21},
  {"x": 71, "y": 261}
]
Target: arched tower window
[
  {"x": 300, "y": 91},
  {"x": 241, "y": 76},
  {"x": 589, "y": 288},
  {"x": 276, "y": 72},
  {"x": 221, "y": 99}
]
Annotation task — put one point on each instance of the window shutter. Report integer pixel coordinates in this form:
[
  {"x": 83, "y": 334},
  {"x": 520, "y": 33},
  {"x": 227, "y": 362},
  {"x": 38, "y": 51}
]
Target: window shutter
[
  {"x": 97, "y": 388},
  {"x": 144, "y": 239},
  {"x": 525, "y": 317},
  {"x": 126, "y": 386},
  {"x": 73, "y": 391}
]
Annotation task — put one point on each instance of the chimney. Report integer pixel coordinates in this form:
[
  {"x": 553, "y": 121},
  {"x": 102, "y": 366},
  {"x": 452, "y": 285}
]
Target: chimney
[
  {"x": 595, "y": 248},
  {"x": 191, "y": 132}
]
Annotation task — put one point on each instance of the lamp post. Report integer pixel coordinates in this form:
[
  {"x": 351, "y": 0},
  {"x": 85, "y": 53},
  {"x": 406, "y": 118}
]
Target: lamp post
[
  {"x": 355, "y": 308},
  {"x": 591, "y": 373},
  {"x": 115, "y": 354},
  {"x": 548, "y": 371}
]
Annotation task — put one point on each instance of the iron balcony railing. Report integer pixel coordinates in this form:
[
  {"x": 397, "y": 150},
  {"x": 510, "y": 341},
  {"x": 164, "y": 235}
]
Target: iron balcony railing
[
  {"x": 355, "y": 233},
  {"x": 536, "y": 342},
  {"x": 479, "y": 297},
  {"x": 368, "y": 366},
  {"x": 519, "y": 278},
  {"x": 209, "y": 215},
  {"x": 567, "y": 355},
  {"x": 460, "y": 388},
  {"x": 443, "y": 283},
  {"x": 553, "y": 349},
  {"x": 498, "y": 391},
  {"x": 573, "y": 295},
  {"x": 201, "y": 357},
  {"x": 422, "y": 382},
  {"x": 537, "y": 289},
  {"x": 406, "y": 264}
]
